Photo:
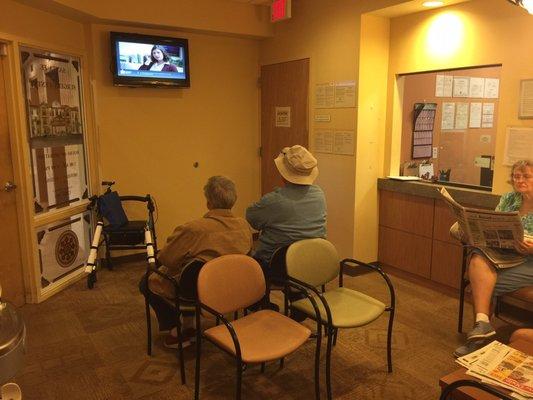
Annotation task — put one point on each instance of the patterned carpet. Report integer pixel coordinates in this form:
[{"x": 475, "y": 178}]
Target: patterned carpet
[{"x": 91, "y": 344}]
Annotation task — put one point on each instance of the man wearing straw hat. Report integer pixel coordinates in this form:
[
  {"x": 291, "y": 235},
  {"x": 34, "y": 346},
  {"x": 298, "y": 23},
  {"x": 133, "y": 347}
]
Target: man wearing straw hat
[{"x": 293, "y": 212}]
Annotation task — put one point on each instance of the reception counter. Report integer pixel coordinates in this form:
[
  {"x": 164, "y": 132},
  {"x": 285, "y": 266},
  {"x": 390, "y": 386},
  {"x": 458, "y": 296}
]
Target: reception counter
[{"x": 414, "y": 225}]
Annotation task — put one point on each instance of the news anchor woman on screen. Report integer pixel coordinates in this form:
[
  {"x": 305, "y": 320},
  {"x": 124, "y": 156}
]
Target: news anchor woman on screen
[{"x": 160, "y": 61}]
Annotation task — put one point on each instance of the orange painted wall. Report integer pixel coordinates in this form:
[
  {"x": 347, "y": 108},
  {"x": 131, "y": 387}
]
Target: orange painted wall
[
  {"x": 479, "y": 32},
  {"x": 150, "y": 138}
]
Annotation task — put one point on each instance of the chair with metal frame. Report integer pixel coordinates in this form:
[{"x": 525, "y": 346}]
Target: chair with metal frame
[
  {"x": 477, "y": 384},
  {"x": 185, "y": 293},
  {"x": 521, "y": 299},
  {"x": 233, "y": 282},
  {"x": 313, "y": 263}
]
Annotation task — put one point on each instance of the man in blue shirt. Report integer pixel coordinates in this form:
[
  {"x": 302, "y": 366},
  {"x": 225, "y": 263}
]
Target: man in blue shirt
[{"x": 293, "y": 212}]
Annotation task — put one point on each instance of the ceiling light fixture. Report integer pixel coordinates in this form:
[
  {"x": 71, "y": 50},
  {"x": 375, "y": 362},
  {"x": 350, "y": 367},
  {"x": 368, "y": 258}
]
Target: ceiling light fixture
[
  {"x": 432, "y": 3},
  {"x": 527, "y": 4}
]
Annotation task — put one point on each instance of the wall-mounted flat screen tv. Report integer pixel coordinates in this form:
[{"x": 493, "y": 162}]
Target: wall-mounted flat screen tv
[{"x": 142, "y": 60}]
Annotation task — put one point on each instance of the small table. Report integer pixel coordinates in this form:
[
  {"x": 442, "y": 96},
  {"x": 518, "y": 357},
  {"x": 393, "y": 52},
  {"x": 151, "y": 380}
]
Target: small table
[{"x": 471, "y": 393}]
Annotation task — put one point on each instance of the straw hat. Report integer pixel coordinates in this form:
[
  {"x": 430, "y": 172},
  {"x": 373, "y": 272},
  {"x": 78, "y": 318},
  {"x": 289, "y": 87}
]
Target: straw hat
[{"x": 297, "y": 165}]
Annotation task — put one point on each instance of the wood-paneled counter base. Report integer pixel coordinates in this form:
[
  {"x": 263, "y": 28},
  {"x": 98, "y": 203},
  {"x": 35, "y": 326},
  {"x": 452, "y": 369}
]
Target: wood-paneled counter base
[{"x": 414, "y": 225}]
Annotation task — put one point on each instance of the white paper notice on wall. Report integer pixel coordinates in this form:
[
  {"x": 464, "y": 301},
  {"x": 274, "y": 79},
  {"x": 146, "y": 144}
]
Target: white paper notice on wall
[
  {"x": 482, "y": 162},
  {"x": 526, "y": 99},
  {"x": 448, "y": 116},
  {"x": 477, "y": 87},
  {"x": 475, "y": 115},
  {"x": 325, "y": 95},
  {"x": 487, "y": 119},
  {"x": 518, "y": 145},
  {"x": 461, "y": 85},
  {"x": 345, "y": 94},
  {"x": 344, "y": 142},
  {"x": 322, "y": 118},
  {"x": 485, "y": 139},
  {"x": 443, "y": 86},
  {"x": 323, "y": 141},
  {"x": 492, "y": 88},
  {"x": 461, "y": 116},
  {"x": 283, "y": 117}
]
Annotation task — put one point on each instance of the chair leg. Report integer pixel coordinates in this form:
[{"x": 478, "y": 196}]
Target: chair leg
[
  {"x": 335, "y": 333},
  {"x": 239, "y": 380},
  {"x": 462, "y": 290},
  {"x": 328, "y": 363},
  {"x": 281, "y": 362},
  {"x": 180, "y": 350},
  {"x": 197, "y": 368},
  {"x": 148, "y": 326},
  {"x": 263, "y": 364},
  {"x": 389, "y": 341},
  {"x": 461, "y": 307},
  {"x": 317, "y": 362}
]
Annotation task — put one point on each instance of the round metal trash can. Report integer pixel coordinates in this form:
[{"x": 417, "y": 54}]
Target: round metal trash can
[{"x": 12, "y": 341}]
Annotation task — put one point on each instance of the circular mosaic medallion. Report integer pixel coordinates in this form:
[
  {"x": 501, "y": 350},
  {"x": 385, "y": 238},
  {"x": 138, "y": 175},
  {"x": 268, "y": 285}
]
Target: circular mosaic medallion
[{"x": 67, "y": 248}]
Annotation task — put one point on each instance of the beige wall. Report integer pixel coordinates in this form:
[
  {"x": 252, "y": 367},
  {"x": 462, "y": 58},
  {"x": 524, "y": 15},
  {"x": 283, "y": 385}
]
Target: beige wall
[
  {"x": 372, "y": 111},
  {"x": 329, "y": 33},
  {"x": 487, "y": 32},
  {"x": 200, "y": 15},
  {"x": 328, "y": 36},
  {"x": 149, "y": 138},
  {"x": 27, "y": 24}
]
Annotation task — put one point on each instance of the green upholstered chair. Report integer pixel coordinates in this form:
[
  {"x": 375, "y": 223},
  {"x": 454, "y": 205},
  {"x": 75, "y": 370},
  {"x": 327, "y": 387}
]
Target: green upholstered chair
[{"x": 313, "y": 263}]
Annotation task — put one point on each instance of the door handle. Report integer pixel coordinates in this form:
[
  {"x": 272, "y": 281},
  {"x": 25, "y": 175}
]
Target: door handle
[{"x": 9, "y": 186}]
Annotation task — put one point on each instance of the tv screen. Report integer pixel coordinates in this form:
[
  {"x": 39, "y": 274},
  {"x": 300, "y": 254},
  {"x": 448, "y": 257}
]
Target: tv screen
[{"x": 141, "y": 60}]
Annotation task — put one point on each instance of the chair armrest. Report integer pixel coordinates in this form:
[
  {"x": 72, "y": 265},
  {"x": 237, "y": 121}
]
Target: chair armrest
[
  {"x": 200, "y": 306},
  {"x": 151, "y": 269},
  {"x": 310, "y": 288},
  {"x": 305, "y": 292},
  {"x": 348, "y": 262}
]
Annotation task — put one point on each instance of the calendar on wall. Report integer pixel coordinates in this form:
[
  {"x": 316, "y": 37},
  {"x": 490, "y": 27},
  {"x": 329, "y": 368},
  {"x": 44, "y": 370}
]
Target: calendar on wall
[{"x": 423, "y": 122}]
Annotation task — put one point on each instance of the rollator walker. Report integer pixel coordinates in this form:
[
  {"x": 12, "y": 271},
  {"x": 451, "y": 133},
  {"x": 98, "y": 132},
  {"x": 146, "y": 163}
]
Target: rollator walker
[{"x": 114, "y": 230}]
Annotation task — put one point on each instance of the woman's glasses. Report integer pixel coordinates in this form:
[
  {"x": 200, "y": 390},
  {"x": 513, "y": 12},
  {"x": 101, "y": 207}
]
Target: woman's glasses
[{"x": 517, "y": 177}]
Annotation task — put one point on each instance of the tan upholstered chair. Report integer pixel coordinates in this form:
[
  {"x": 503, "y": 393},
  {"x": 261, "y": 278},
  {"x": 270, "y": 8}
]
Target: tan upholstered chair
[
  {"x": 231, "y": 283},
  {"x": 315, "y": 262}
]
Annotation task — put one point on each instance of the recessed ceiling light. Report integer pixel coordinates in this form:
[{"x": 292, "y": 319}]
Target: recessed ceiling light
[{"x": 433, "y": 3}]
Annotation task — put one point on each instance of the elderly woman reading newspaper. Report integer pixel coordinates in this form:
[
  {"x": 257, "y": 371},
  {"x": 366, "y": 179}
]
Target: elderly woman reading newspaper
[{"x": 487, "y": 278}]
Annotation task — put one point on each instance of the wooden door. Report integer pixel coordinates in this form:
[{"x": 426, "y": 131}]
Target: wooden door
[
  {"x": 10, "y": 259},
  {"x": 282, "y": 85}
]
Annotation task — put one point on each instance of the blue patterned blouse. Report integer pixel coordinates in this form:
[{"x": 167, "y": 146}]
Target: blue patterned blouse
[{"x": 512, "y": 202}]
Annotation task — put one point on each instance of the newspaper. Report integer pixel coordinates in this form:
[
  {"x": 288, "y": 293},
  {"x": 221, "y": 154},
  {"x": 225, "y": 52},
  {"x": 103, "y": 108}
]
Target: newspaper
[
  {"x": 486, "y": 228},
  {"x": 501, "y": 365}
]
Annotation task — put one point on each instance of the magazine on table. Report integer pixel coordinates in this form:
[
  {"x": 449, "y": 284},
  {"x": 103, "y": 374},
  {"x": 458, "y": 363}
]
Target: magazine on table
[{"x": 501, "y": 365}]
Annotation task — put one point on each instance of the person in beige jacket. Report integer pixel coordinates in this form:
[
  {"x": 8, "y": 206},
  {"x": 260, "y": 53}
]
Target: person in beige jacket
[{"x": 217, "y": 233}]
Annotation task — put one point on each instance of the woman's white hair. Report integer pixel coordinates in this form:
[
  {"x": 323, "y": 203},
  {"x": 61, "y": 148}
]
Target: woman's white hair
[{"x": 220, "y": 192}]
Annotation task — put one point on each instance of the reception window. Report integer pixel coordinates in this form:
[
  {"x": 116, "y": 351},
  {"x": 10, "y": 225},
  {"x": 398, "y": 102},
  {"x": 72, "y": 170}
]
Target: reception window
[{"x": 449, "y": 125}]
